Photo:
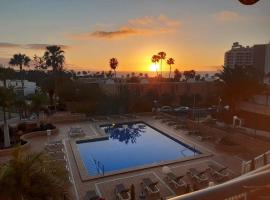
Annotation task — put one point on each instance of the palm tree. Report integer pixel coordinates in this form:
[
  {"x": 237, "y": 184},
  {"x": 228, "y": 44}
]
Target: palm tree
[
  {"x": 32, "y": 176},
  {"x": 170, "y": 62},
  {"x": 113, "y": 65},
  {"x": 190, "y": 74},
  {"x": 6, "y": 100},
  {"x": 54, "y": 57},
  {"x": 155, "y": 59},
  {"x": 177, "y": 75},
  {"x": 162, "y": 56},
  {"x": 20, "y": 60}
]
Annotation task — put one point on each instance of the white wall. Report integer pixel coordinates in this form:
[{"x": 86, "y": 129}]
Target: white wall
[{"x": 29, "y": 87}]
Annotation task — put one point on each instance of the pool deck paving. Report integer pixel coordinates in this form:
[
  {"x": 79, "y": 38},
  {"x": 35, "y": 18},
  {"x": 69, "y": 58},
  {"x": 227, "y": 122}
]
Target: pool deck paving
[{"x": 104, "y": 186}]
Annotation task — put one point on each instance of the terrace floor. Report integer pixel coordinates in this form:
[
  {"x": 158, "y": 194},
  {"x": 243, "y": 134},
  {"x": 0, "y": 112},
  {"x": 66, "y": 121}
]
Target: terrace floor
[{"x": 105, "y": 185}]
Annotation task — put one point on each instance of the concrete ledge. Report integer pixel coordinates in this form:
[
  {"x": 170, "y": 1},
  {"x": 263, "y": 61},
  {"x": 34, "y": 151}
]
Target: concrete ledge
[{"x": 25, "y": 137}]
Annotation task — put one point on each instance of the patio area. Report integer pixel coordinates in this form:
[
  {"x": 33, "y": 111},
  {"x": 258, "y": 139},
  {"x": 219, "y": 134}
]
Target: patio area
[{"x": 105, "y": 186}]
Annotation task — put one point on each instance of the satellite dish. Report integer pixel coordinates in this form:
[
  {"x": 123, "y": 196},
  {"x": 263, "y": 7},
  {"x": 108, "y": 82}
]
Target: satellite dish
[{"x": 248, "y": 2}]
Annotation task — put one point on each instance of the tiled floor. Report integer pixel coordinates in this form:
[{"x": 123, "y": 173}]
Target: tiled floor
[{"x": 105, "y": 185}]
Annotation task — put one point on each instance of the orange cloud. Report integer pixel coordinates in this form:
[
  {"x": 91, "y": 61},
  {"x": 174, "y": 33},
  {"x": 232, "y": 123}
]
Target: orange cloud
[
  {"x": 227, "y": 16},
  {"x": 28, "y": 46},
  {"x": 148, "y": 25},
  {"x": 42, "y": 46},
  {"x": 8, "y": 45}
]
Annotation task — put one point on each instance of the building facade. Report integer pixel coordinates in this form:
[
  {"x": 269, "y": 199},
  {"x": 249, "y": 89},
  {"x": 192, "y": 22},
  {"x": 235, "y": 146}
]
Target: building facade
[{"x": 257, "y": 56}]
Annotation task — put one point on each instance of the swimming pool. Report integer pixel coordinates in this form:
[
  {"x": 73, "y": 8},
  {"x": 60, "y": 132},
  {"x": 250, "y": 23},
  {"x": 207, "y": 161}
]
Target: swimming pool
[{"x": 130, "y": 145}]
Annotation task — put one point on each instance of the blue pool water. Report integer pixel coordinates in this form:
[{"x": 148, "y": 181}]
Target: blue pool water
[{"x": 130, "y": 145}]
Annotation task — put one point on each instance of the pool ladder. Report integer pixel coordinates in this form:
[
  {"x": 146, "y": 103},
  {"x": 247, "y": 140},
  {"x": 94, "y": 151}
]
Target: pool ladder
[
  {"x": 99, "y": 167},
  {"x": 194, "y": 151}
]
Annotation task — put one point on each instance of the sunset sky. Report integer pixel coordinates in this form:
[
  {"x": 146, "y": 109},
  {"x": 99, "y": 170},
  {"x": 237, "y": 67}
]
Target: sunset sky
[{"x": 196, "y": 33}]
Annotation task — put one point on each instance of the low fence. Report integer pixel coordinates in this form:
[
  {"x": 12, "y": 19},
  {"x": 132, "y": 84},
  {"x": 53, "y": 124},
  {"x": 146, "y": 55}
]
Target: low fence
[
  {"x": 25, "y": 137},
  {"x": 62, "y": 117},
  {"x": 246, "y": 187},
  {"x": 256, "y": 163}
]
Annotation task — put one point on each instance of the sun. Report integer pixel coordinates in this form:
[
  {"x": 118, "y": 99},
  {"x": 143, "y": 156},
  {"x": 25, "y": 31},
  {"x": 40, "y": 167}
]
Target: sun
[{"x": 154, "y": 67}]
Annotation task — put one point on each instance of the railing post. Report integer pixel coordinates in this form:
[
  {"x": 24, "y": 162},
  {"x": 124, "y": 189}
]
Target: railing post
[{"x": 243, "y": 167}]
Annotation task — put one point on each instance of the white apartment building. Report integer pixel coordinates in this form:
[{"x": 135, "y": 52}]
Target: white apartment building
[
  {"x": 29, "y": 87},
  {"x": 257, "y": 56}
]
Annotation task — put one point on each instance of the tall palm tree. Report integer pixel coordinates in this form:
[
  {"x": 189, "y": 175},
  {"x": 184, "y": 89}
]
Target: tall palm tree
[
  {"x": 170, "y": 62},
  {"x": 20, "y": 60},
  {"x": 6, "y": 100},
  {"x": 162, "y": 56},
  {"x": 155, "y": 59},
  {"x": 54, "y": 57},
  {"x": 113, "y": 65},
  {"x": 32, "y": 176}
]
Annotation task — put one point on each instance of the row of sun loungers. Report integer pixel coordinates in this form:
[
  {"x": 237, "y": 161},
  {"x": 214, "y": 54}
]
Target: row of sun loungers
[
  {"x": 151, "y": 187},
  {"x": 217, "y": 172},
  {"x": 123, "y": 193},
  {"x": 76, "y": 132},
  {"x": 56, "y": 152}
]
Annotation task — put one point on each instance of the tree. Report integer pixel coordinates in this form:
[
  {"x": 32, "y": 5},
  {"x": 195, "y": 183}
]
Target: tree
[
  {"x": 49, "y": 85},
  {"x": 170, "y": 62},
  {"x": 21, "y": 106},
  {"x": 177, "y": 75},
  {"x": 113, "y": 65},
  {"x": 6, "y": 100},
  {"x": 162, "y": 56},
  {"x": 6, "y": 73},
  {"x": 189, "y": 74},
  {"x": 240, "y": 82},
  {"x": 54, "y": 57},
  {"x": 197, "y": 77},
  {"x": 20, "y": 60},
  {"x": 155, "y": 59},
  {"x": 39, "y": 63},
  {"x": 38, "y": 100},
  {"x": 33, "y": 176}
]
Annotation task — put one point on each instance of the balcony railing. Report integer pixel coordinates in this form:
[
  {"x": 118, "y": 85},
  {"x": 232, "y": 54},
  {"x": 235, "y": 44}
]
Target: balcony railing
[{"x": 254, "y": 185}]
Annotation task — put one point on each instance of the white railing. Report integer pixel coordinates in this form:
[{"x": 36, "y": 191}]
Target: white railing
[
  {"x": 256, "y": 163},
  {"x": 246, "y": 187}
]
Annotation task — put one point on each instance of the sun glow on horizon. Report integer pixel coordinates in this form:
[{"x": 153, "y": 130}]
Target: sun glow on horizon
[{"x": 154, "y": 67}]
